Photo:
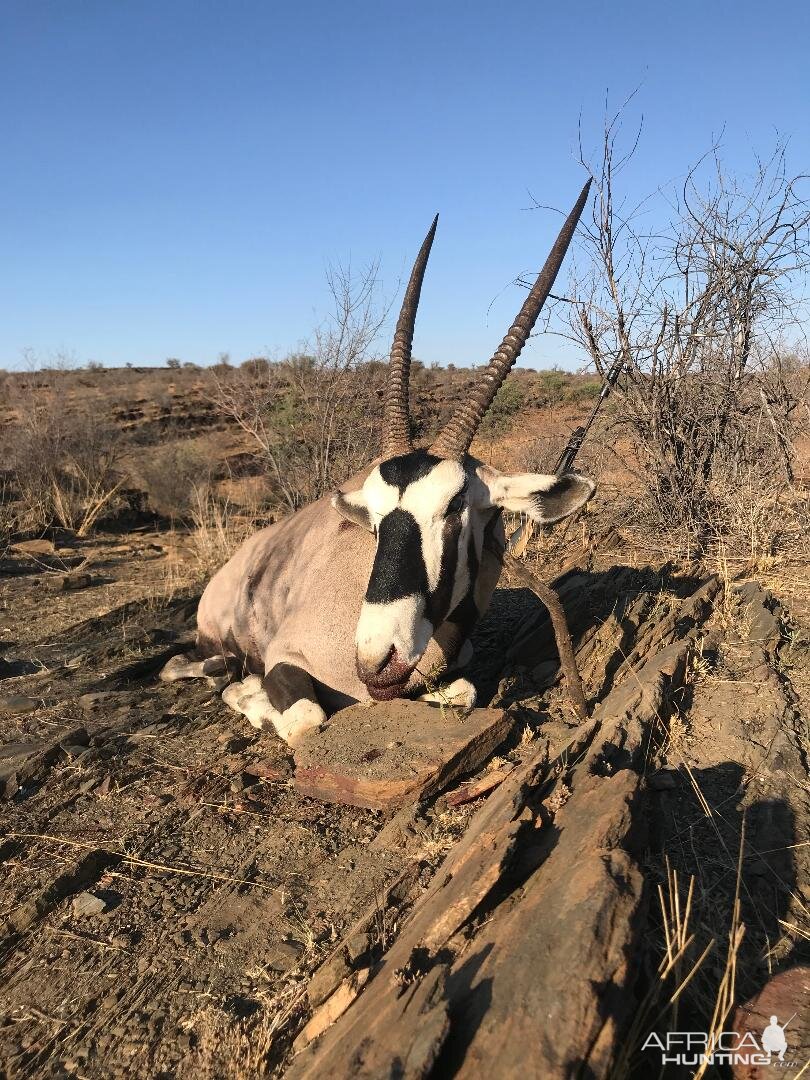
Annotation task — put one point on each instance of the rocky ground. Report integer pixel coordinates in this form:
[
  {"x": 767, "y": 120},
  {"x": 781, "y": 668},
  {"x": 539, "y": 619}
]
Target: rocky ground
[
  {"x": 515, "y": 892},
  {"x": 172, "y": 904}
]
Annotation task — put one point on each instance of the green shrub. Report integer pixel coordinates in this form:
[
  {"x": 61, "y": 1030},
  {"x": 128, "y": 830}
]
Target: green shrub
[{"x": 509, "y": 400}]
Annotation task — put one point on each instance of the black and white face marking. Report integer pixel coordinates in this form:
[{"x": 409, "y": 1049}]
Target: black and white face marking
[
  {"x": 417, "y": 509},
  {"x": 428, "y": 515}
]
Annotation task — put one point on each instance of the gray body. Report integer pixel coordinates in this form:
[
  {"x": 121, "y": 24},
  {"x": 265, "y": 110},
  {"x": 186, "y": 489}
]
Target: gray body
[{"x": 292, "y": 594}]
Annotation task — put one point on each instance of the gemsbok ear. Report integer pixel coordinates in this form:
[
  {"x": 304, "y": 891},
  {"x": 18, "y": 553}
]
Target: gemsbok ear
[
  {"x": 545, "y": 499},
  {"x": 353, "y": 508}
]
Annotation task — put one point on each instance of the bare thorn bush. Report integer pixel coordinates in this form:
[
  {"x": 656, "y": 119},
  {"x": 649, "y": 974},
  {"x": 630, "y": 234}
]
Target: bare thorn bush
[
  {"x": 314, "y": 417},
  {"x": 701, "y": 313}
]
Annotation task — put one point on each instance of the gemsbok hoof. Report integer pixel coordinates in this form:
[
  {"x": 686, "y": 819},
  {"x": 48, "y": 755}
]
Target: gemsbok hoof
[
  {"x": 180, "y": 667},
  {"x": 300, "y": 720},
  {"x": 460, "y": 693}
]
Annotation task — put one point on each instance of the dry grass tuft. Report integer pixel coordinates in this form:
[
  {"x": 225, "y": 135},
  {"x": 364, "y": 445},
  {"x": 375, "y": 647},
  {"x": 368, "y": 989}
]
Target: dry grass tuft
[
  {"x": 64, "y": 466},
  {"x": 726, "y": 990},
  {"x": 674, "y": 973},
  {"x": 234, "y": 1049},
  {"x": 713, "y": 995},
  {"x": 219, "y": 529}
]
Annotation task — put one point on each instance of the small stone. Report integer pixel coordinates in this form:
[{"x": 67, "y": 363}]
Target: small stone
[
  {"x": 327, "y": 977},
  {"x": 73, "y": 582},
  {"x": 73, "y": 751},
  {"x": 357, "y": 946},
  {"x": 17, "y": 704},
  {"x": 324, "y": 1016},
  {"x": 290, "y": 949},
  {"x": 91, "y": 701},
  {"x": 34, "y": 547},
  {"x": 86, "y": 904},
  {"x": 9, "y": 786},
  {"x": 664, "y": 780},
  {"x": 265, "y": 771}
]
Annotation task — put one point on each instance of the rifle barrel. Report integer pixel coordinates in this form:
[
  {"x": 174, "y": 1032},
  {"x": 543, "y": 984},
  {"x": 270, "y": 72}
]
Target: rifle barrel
[{"x": 567, "y": 457}]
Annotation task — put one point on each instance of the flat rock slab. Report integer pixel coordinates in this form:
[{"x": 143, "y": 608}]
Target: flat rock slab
[
  {"x": 787, "y": 997},
  {"x": 392, "y": 753},
  {"x": 17, "y": 704},
  {"x": 34, "y": 547}
]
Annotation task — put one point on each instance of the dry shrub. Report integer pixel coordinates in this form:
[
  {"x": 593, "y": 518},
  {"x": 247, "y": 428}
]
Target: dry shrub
[
  {"x": 63, "y": 464},
  {"x": 315, "y": 417},
  {"x": 9, "y": 520},
  {"x": 698, "y": 311},
  {"x": 173, "y": 476}
]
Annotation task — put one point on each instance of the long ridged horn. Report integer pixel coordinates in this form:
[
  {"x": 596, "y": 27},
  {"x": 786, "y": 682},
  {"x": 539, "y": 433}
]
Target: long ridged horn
[
  {"x": 454, "y": 441},
  {"x": 396, "y": 414}
]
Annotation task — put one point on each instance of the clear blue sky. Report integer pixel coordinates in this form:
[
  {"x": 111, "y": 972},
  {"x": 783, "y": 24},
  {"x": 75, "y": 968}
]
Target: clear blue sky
[{"x": 175, "y": 175}]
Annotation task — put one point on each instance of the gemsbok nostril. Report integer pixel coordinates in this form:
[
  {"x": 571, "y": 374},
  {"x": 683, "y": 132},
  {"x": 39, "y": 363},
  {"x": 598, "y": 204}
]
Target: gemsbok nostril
[{"x": 390, "y": 658}]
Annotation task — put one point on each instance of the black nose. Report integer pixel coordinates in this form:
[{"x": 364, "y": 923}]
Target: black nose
[{"x": 390, "y": 658}]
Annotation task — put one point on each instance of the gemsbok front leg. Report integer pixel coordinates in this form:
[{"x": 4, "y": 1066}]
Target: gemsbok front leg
[{"x": 284, "y": 698}]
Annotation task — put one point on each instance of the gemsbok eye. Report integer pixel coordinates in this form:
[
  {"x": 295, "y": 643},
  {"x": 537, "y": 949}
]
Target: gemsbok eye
[{"x": 456, "y": 504}]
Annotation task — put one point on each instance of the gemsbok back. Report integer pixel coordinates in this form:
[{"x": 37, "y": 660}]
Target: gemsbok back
[{"x": 372, "y": 594}]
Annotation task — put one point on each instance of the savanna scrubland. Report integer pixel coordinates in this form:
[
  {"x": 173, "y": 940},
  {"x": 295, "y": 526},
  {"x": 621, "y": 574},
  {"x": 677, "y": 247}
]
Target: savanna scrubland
[{"x": 173, "y": 904}]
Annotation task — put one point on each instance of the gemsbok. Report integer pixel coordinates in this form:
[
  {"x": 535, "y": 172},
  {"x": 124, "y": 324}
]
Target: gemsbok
[{"x": 372, "y": 593}]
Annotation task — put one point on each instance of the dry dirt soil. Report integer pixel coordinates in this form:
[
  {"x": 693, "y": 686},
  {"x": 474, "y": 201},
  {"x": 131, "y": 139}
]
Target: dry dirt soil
[{"x": 166, "y": 895}]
